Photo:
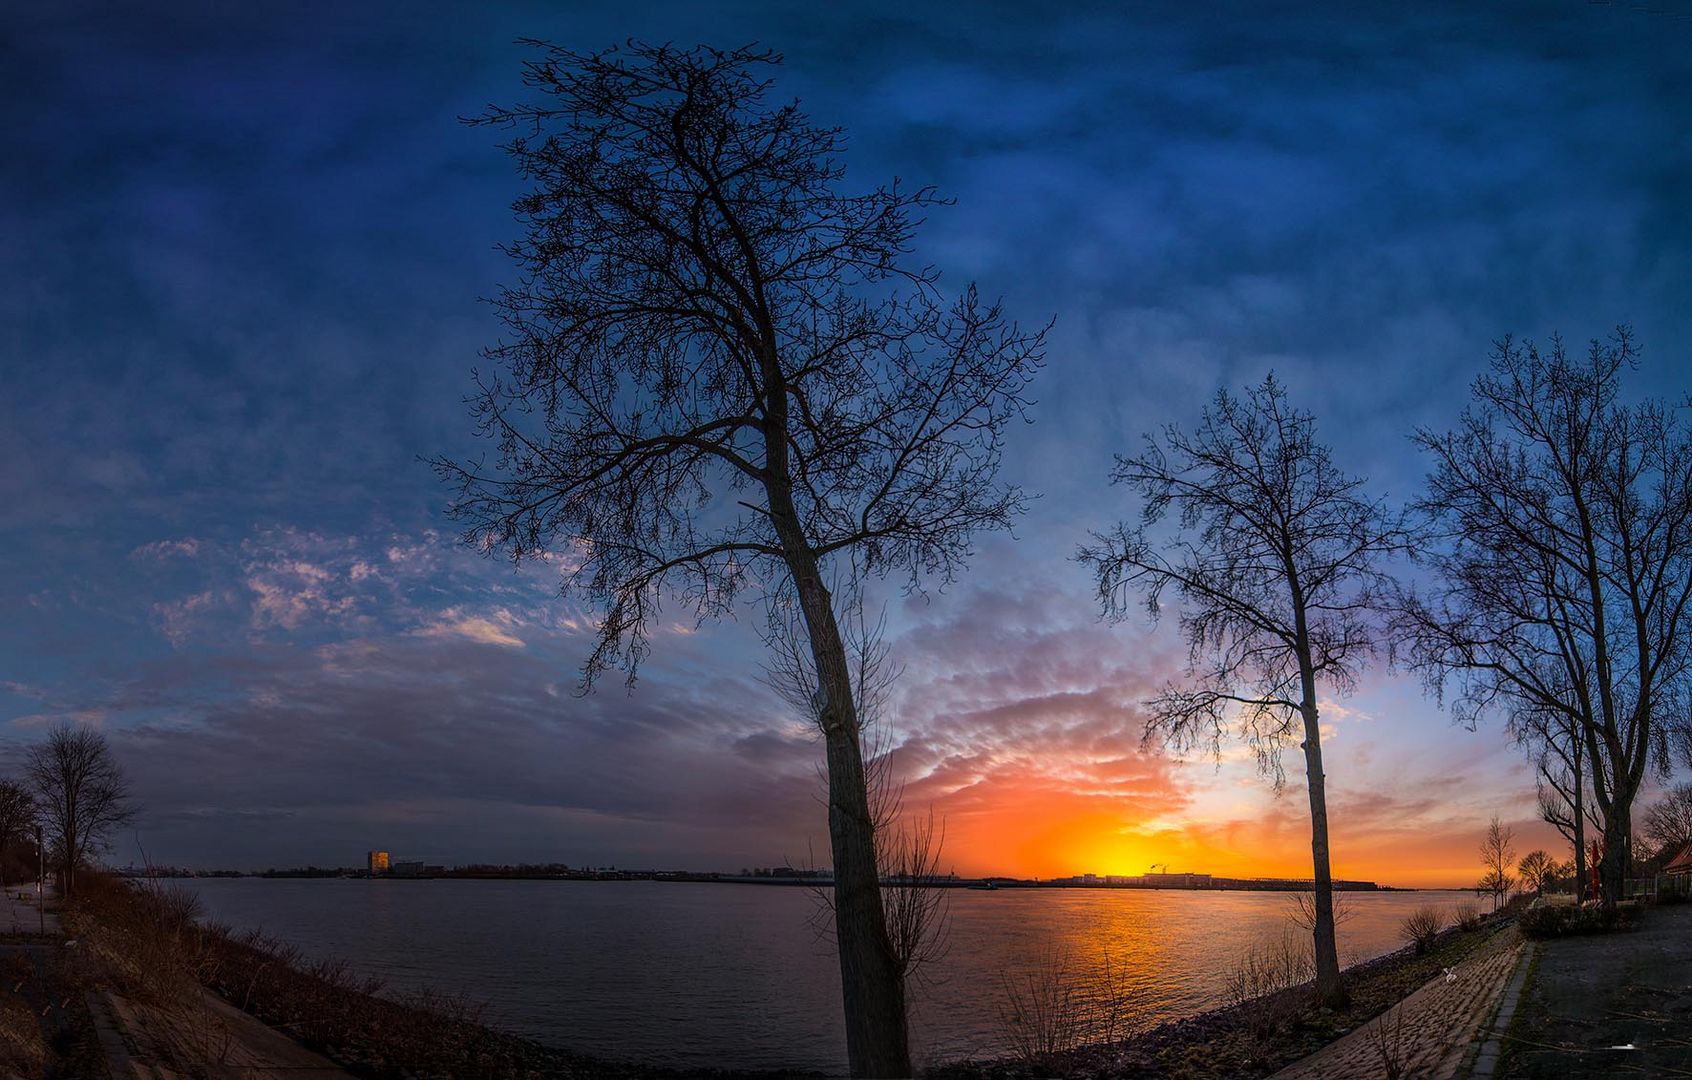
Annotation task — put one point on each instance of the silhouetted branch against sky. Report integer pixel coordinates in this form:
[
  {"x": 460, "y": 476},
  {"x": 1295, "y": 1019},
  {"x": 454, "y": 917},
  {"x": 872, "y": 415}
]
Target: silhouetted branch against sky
[
  {"x": 1275, "y": 545},
  {"x": 241, "y": 283},
  {"x": 697, "y": 278},
  {"x": 1558, "y": 525}
]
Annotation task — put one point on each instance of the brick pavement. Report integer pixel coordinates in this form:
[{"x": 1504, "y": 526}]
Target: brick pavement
[{"x": 1428, "y": 1034}]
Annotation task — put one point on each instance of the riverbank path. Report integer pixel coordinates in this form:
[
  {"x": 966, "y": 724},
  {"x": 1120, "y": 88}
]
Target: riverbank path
[
  {"x": 20, "y": 914},
  {"x": 1429, "y": 1033}
]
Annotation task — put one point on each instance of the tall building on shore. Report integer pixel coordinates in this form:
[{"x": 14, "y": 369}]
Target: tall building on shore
[{"x": 378, "y": 862}]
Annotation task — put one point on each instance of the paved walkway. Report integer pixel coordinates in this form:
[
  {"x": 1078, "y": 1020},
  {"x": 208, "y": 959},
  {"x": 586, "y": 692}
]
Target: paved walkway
[
  {"x": 19, "y": 914},
  {"x": 1428, "y": 1034},
  {"x": 1605, "y": 1005},
  {"x": 203, "y": 1036}
]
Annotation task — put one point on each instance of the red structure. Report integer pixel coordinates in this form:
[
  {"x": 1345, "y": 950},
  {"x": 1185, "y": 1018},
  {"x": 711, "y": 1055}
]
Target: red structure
[
  {"x": 1680, "y": 865},
  {"x": 1592, "y": 866}
]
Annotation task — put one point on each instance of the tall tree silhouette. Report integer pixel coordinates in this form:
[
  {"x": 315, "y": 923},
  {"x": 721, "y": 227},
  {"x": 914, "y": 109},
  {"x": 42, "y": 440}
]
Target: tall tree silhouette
[
  {"x": 17, "y": 817},
  {"x": 80, "y": 793},
  {"x": 722, "y": 373},
  {"x": 1276, "y": 566},
  {"x": 1558, "y": 524}
]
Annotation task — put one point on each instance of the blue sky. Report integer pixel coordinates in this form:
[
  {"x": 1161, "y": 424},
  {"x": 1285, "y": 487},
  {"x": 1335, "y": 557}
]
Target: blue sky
[{"x": 243, "y": 250}]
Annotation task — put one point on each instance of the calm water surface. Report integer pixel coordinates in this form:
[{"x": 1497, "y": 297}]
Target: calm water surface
[{"x": 734, "y": 975}]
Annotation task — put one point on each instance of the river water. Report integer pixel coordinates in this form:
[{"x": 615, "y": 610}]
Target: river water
[{"x": 737, "y": 975}]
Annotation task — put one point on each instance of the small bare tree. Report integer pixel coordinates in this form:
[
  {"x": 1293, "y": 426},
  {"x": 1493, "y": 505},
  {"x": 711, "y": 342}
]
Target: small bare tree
[
  {"x": 1277, "y": 569},
  {"x": 1497, "y": 856},
  {"x": 1555, "y": 742},
  {"x": 17, "y": 817},
  {"x": 724, "y": 372},
  {"x": 1537, "y": 869},
  {"x": 1302, "y": 910},
  {"x": 80, "y": 793},
  {"x": 1667, "y": 823}
]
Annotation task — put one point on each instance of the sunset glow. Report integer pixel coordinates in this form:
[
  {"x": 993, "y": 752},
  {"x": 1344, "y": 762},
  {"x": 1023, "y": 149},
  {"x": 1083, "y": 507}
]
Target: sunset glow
[{"x": 235, "y": 346}]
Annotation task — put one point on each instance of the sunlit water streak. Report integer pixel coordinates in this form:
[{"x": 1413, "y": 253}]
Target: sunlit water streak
[{"x": 735, "y": 976}]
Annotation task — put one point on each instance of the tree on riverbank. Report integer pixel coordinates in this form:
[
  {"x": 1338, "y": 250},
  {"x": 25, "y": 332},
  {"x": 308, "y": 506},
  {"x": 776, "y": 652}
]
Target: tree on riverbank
[
  {"x": 81, "y": 794},
  {"x": 1277, "y": 569},
  {"x": 1497, "y": 853},
  {"x": 17, "y": 817},
  {"x": 1537, "y": 870},
  {"x": 1558, "y": 524},
  {"x": 724, "y": 373},
  {"x": 1667, "y": 824},
  {"x": 1559, "y": 750}
]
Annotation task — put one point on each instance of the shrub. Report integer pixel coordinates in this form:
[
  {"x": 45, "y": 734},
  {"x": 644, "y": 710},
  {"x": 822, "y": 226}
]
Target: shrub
[
  {"x": 1554, "y": 922},
  {"x": 1466, "y": 915},
  {"x": 1261, "y": 982},
  {"x": 1049, "y": 1009},
  {"x": 1422, "y": 926},
  {"x": 1040, "y": 1009}
]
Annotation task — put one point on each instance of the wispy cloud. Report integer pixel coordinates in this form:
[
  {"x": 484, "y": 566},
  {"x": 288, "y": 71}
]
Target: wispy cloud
[{"x": 498, "y": 628}]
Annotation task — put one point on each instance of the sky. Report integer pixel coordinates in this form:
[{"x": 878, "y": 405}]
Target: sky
[{"x": 242, "y": 251}]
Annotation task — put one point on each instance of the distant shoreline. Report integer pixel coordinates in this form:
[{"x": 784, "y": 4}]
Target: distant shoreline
[{"x": 792, "y": 881}]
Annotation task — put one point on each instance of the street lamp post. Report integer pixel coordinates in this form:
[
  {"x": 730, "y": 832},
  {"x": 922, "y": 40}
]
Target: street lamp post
[{"x": 40, "y": 881}]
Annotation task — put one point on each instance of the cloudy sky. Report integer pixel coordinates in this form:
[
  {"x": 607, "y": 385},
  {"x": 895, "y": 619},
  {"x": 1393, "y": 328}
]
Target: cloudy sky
[{"x": 240, "y": 262}]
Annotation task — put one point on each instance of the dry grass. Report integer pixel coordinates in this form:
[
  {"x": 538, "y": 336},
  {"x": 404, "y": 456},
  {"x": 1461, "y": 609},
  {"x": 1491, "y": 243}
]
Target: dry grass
[
  {"x": 1466, "y": 915},
  {"x": 1050, "y": 1008},
  {"x": 1261, "y": 982},
  {"x": 23, "y": 1052},
  {"x": 148, "y": 942}
]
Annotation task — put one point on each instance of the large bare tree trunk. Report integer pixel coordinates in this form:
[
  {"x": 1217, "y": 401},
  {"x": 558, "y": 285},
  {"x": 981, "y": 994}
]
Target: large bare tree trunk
[
  {"x": 1579, "y": 829},
  {"x": 872, "y": 987},
  {"x": 1612, "y": 864},
  {"x": 1322, "y": 887},
  {"x": 877, "y": 1043}
]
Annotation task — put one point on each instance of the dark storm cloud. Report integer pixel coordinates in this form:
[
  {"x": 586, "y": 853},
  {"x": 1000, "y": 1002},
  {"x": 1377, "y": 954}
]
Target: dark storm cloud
[{"x": 385, "y": 735}]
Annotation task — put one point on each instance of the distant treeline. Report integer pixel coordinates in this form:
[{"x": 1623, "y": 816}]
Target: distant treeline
[{"x": 774, "y": 876}]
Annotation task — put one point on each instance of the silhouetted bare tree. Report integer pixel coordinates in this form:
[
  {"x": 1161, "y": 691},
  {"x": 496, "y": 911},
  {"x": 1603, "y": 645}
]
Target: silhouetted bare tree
[
  {"x": 80, "y": 793},
  {"x": 1498, "y": 854},
  {"x": 1277, "y": 570},
  {"x": 722, "y": 373},
  {"x": 1558, "y": 750},
  {"x": 1667, "y": 823},
  {"x": 1559, "y": 524},
  {"x": 17, "y": 817},
  {"x": 1536, "y": 868}
]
